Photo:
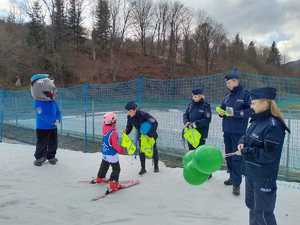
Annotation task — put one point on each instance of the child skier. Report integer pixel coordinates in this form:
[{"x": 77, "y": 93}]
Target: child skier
[{"x": 110, "y": 150}]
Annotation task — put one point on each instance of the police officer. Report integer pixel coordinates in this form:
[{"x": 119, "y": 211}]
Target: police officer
[
  {"x": 261, "y": 148},
  {"x": 135, "y": 118},
  {"x": 198, "y": 115},
  {"x": 237, "y": 106}
]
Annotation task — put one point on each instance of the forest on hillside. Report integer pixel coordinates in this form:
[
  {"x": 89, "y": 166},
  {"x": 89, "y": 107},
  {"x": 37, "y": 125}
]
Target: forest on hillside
[{"x": 163, "y": 39}]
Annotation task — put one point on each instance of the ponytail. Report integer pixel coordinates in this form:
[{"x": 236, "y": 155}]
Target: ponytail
[{"x": 276, "y": 112}]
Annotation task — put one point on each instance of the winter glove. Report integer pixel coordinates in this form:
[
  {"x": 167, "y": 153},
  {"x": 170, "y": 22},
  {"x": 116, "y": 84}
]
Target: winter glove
[
  {"x": 247, "y": 151},
  {"x": 57, "y": 122}
]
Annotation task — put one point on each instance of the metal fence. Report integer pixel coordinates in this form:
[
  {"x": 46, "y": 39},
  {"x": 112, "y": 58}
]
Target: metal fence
[{"x": 83, "y": 107}]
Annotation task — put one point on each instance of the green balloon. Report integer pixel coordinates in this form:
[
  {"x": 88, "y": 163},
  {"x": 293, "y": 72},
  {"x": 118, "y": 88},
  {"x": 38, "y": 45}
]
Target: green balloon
[
  {"x": 188, "y": 157},
  {"x": 192, "y": 176},
  {"x": 207, "y": 159}
]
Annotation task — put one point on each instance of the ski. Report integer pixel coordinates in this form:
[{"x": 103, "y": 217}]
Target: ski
[{"x": 124, "y": 185}]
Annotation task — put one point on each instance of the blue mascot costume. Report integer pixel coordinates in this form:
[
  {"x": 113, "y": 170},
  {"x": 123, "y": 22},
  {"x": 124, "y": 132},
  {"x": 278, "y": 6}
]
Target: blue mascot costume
[{"x": 43, "y": 91}]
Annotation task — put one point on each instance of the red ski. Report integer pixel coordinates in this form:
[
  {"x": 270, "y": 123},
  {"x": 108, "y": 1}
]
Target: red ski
[{"x": 124, "y": 185}]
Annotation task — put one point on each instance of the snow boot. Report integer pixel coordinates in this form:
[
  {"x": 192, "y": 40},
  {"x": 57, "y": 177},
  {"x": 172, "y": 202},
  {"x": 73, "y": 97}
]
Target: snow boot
[
  {"x": 53, "y": 161},
  {"x": 228, "y": 182},
  {"x": 236, "y": 190},
  {"x": 142, "y": 171},
  {"x": 39, "y": 162}
]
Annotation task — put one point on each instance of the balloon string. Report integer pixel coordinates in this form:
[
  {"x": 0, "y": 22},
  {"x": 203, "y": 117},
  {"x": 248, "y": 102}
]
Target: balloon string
[{"x": 230, "y": 154}]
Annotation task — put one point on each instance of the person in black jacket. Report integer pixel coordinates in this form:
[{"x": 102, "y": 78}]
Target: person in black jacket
[
  {"x": 136, "y": 118},
  {"x": 261, "y": 148},
  {"x": 237, "y": 106},
  {"x": 198, "y": 115}
]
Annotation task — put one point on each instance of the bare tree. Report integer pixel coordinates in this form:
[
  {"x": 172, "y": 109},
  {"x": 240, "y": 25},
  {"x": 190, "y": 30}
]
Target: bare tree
[
  {"x": 217, "y": 43},
  {"x": 16, "y": 12},
  {"x": 176, "y": 11},
  {"x": 186, "y": 21},
  {"x": 120, "y": 11},
  {"x": 209, "y": 37},
  {"x": 56, "y": 12},
  {"x": 50, "y": 6},
  {"x": 161, "y": 17},
  {"x": 142, "y": 18}
]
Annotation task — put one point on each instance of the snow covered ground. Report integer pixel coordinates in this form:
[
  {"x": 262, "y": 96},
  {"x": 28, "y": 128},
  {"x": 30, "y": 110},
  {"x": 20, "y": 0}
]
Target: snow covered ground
[{"x": 52, "y": 194}]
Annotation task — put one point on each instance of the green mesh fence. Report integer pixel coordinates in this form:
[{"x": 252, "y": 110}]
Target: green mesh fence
[{"x": 83, "y": 107}]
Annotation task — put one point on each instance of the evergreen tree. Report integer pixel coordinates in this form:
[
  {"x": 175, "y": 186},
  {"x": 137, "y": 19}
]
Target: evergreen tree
[
  {"x": 102, "y": 27},
  {"x": 251, "y": 50},
  {"x": 237, "y": 49},
  {"x": 74, "y": 21},
  {"x": 274, "y": 55},
  {"x": 59, "y": 24},
  {"x": 37, "y": 33}
]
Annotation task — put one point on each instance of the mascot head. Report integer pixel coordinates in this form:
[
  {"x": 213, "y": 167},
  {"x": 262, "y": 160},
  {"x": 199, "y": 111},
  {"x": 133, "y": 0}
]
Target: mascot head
[{"x": 42, "y": 88}]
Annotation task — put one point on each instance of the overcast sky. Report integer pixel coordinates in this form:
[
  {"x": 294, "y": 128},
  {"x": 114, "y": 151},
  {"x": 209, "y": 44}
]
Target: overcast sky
[{"x": 259, "y": 20}]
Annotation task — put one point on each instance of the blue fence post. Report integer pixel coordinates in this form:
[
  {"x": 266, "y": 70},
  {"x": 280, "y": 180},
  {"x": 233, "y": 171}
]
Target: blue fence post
[
  {"x": 139, "y": 90},
  {"x": 287, "y": 165},
  {"x": 85, "y": 90},
  {"x": 93, "y": 118},
  {"x": 61, "y": 110},
  {"x": 16, "y": 108},
  {"x": 1, "y": 114}
]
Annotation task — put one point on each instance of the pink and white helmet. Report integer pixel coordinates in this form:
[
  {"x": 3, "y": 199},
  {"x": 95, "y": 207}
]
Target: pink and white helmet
[{"x": 109, "y": 118}]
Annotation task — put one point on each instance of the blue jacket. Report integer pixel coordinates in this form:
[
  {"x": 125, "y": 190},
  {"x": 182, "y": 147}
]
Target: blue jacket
[
  {"x": 239, "y": 101},
  {"x": 47, "y": 112},
  {"x": 139, "y": 118},
  {"x": 198, "y": 113},
  {"x": 263, "y": 143}
]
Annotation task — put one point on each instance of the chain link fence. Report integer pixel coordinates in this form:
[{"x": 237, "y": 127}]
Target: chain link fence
[{"x": 83, "y": 107}]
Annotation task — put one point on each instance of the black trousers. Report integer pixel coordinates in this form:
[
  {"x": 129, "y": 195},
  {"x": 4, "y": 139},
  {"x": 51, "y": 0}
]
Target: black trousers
[
  {"x": 116, "y": 169},
  {"x": 155, "y": 157},
  {"x": 261, "y": 200},
  {"x": 46, "y": 145},
  {"x": 234, "y": 163}
]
